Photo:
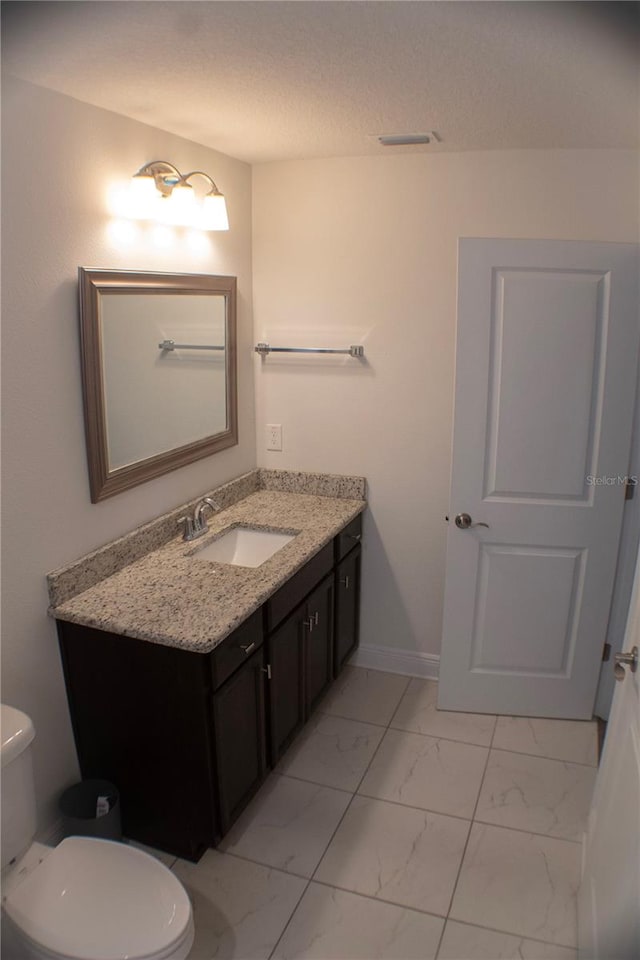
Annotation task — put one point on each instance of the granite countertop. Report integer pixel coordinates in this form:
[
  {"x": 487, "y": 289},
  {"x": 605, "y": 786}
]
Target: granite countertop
[{"x": 170, "y": 597}]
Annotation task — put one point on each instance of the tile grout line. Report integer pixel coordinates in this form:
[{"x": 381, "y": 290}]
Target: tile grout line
[
  {"x": 437, "y": 736},
  {"x": 464, "y": 852},
  {"x": 392, "y": 903},
  {"x": 496, "y": 718},
  {"x": 330, "y": 841},
  {"x": 340, "y": 716},
  {"x": 456, "y": 816},
  {"x": 481, "y": 823},
  {"x": 291, "y": 916},
  {"x": 436, "y": 916},
  {"x": 315, "y": 783},
  {"x": 389, "y": 903},
  {"x": 412, "y": 806},
  {"x": 542, "y": 756},
  {"x": 355, "y": 792},
  {"x": 507, "y": 933},
  {"x": 267, "y": 866},
  {"x": 383, "y": 729}
]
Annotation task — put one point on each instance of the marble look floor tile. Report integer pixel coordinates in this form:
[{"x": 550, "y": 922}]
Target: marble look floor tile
[
  {"x": 536, "y": 794},
  {"x": 424, "y": 772},
  {"x": 288, "y": 825},
  {"x": 240, "y": 909},
  {"x": 333, "y": 925},
  {"x": 333, "y": 751},
  {"x": 464, "y": 942},
  {"x": 572, "y": 740},
  {"x": 406, "y": 856},
  {"x": 521, "y": 883},
  {"x": 368, "y": 695},
  {"x": 418, "y": 713}
]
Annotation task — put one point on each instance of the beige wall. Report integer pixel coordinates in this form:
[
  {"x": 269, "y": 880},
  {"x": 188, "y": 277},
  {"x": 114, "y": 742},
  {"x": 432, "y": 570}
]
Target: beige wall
[
  {"x": 363, "y": 250},
  {"x": 59, "y": 155}
]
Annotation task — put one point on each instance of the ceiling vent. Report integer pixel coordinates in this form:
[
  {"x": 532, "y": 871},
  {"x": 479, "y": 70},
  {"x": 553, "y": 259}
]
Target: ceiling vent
[{"x": 408, "y": 139}]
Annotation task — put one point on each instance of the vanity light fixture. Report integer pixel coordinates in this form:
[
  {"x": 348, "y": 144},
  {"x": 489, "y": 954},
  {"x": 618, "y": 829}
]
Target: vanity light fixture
[{"x": 158, "y": 191}]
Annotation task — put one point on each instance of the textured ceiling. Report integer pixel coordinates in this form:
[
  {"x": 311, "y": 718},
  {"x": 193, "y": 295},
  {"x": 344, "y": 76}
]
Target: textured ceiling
[{"x": 275, "y": 80}]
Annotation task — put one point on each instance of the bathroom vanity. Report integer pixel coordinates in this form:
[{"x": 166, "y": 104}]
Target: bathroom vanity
[{"x": 184, "y": 713}]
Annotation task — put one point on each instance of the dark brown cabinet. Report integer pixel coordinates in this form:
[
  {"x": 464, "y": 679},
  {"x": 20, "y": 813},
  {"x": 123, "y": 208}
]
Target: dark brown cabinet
[
  {"x": 300, "y": 668},
  {"x": 318, "y": 627},
  {"x": 347, "y": 621},
  {"x": 188, "y": 738},
  {"x": 286, "y": 682},
  {"x": 239, "y": 726},
  {"x": 141, "y": 717}
]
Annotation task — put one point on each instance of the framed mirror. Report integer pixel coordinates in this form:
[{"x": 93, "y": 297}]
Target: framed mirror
[{"x": 158, "y": 373}]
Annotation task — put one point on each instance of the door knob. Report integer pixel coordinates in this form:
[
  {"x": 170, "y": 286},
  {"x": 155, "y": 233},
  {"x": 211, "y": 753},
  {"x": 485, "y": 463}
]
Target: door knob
[
  {"x": 629, "y": 658},
  {"x": 463, "y": 521}
]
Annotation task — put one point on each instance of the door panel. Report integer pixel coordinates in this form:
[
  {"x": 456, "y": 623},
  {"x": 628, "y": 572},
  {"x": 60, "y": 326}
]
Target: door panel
[
  {"x": 545, "y": 380},
  {"x": 513, "y": 633},
  {"x": 545, "y": 375}
]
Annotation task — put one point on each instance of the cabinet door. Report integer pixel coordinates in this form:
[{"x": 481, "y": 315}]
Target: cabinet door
[
  {"x": 347, "y": 608},
  {"x": 286, "y": 684},
  {"x": 240, "y": 740},
  {"x": 318, "y": 643}
]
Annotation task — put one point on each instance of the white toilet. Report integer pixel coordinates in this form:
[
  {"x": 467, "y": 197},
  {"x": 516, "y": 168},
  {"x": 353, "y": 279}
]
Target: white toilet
[{"x": 85, "y": 899}]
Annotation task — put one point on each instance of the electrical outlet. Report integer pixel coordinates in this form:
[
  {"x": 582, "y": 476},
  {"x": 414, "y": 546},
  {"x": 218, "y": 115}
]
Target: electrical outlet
[{"x": 274, "y": 436}]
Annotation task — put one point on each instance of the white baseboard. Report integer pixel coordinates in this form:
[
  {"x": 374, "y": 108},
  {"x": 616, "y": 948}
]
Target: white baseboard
[{"x": 409, "y": 663}]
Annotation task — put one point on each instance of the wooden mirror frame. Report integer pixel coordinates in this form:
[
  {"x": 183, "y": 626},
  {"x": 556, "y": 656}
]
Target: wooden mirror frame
[{"x": 105, "y": 482}]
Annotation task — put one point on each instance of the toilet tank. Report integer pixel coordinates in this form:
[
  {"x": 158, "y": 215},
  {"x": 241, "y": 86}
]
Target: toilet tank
[{"x": 18, "y": 790}]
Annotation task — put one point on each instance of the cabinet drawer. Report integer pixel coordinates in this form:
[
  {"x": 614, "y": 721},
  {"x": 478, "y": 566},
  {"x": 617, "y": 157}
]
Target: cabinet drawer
[
  {"x": 348, "y": 538},
  {"x": 237, "y": 648},
  {"x": 297, "y": 588}
]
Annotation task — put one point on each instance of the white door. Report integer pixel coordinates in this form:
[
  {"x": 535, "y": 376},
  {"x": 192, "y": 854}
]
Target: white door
[
  {"x": 609, "y": 897},
  {"x": 546, "y": 362}
]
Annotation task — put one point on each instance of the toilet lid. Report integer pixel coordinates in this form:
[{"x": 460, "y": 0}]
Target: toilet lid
[{"x": 100, "y": 900}]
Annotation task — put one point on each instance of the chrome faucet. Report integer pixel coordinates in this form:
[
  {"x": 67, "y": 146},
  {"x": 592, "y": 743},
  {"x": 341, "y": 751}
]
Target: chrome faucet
[{"x": 196, "y": 525}]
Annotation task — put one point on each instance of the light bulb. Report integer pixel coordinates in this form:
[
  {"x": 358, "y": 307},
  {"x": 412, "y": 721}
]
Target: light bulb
[
  {"x": 179, "y": 208},
  {"x": 143, "y": 197},
  {"x": 214, "y": 213}
]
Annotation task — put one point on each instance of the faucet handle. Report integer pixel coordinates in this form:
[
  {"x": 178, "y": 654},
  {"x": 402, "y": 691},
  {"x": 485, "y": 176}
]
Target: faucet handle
[{"x": 188, "y": 527}]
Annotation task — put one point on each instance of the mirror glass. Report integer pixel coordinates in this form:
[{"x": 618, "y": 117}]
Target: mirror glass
[{"x": 158, "y": 353}]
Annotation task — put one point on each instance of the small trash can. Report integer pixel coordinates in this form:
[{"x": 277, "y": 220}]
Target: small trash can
[{"x": 91, "y": 809}]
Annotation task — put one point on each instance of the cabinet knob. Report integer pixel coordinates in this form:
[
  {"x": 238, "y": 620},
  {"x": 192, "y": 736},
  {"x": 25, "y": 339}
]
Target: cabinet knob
[
  {"x": 308, "y": 624},
  {"x": 345, "y": 582},
  {"x": 247, "y": 647}
]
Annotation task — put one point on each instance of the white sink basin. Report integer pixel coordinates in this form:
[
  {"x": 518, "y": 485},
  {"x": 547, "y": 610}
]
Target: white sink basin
[{"x": 244, "y": 547}]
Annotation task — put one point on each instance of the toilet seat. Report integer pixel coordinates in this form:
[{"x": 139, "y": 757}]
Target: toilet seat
[{"x": 101, "y": 900}]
